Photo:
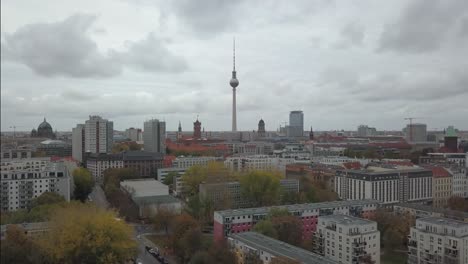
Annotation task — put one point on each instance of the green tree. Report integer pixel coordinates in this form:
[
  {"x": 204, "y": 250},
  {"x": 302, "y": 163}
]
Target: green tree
[
  {"x": 277, "y": 212},
  {"x": 47, "y": 198},
  {"x": 84, "y": 183},
  {"x": 213, "y": 172},
  {"x": 83, "y": 233},
  {"x": 260, "y": 188},
  {"x": 169, "y": 180},
  {"x": 266, "y": 228},
  {"x": 283, "y": 260},
  {"x": 18, "y": 248}
]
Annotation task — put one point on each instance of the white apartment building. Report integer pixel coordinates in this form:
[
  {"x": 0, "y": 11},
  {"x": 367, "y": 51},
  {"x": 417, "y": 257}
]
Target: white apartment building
[
  {"x": 154, "y": 136},
  {"x": 182, "y": 162},
  {"x": 346, "y": 239},
  {"x": 31, "y": 164},
  {"x": 459, "y": 181},
  {"x": 338, "y": 160},
  {"x": 99, "y": 135},
  {"x": 390, "y": 184},
  {"x": 97, "y": 164},
  {"x": 438, "y": 240},
  {"x": 78, "y": 142},
  {"x": 258, "y": 162},
  {"x": 19, "y": 187}
]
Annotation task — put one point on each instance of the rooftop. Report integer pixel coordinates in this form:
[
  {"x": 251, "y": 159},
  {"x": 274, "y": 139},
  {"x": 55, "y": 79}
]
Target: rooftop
[
  {"x": 346, "y": 220},
  {"x": 428, "y": 208},
  {"x": 278, "y": 248},
  {"x": 144, "y": 187},
  {"x": 296, "y": 207},
  {"x": 443, "y": 221}
]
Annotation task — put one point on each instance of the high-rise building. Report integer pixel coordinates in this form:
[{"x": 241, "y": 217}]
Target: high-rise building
[
  {"x": 296, "y": 124},
  {"x": 366, "y": 131},
  {"x": 154, "y": 136},
  {"x": 451, "y": 140},
  {"x": 234, "y": 83},
  {"x": 99, "y": 135},
  {"x": 78, "y": 142},
  {"x": 438, "y": 240},
  {"x": 416, "y": 132},
  {"x": 347, "y": 239},
  {"x": 261, "y": 128},
  {"x": 134, "y": 134}
]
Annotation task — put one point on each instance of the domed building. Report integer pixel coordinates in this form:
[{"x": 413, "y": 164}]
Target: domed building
[{"x": 43, "y": 130}]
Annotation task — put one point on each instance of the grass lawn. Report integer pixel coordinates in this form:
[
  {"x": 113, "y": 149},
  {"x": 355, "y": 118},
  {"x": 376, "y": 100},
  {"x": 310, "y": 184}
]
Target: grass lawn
[{"x": 394, "y": 258}]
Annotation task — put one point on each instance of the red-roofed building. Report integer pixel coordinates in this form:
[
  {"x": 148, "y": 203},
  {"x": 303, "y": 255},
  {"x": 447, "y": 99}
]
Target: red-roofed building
[{"x": 441, "y": 186}]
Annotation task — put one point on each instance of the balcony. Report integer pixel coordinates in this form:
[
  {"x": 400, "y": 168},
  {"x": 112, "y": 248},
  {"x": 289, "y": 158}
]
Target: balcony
[{"x": 413, "y": 244}]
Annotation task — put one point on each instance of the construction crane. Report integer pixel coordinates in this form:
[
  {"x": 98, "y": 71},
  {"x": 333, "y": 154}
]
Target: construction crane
[
  {"x": 411, "y": 126},
  {"x": 14, "y": 130}
]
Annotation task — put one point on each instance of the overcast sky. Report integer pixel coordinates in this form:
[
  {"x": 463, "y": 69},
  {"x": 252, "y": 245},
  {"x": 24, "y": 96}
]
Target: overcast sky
[{"x": 343, "y": 63}]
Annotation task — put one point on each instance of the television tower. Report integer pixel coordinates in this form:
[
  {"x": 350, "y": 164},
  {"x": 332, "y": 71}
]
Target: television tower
[{"x": 234, "y": 83}]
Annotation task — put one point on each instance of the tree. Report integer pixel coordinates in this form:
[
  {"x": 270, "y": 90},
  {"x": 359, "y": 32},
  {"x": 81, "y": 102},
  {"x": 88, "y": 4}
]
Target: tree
[
  {"x": 189, "y": 244},
  {"x": 277, "y": 212},
  {"x": 265, "y": 227},
  {"x": 163, "y": 218},
  {"x": 217, "y": 253},
  {"x": 18, "y": 248},
  {"x": 169, "y": 180},
  {"x": 260, "y": 188},
  {"x": 83, "y": 233},
  {"x": 84, "y": 183},
  {"x": 47, "y": 198},
  {"x": 181, "y": 225},
  {"x": 212, "y": 172},
  {"x": 289, "y": 229}
]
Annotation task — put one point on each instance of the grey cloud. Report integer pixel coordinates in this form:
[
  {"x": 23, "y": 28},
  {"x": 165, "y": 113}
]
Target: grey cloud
[
  {"x": 75, "y": 95},
  {"x": 206, "y": 17},
  {"x": 352, "y": 34},
  {"x": 423, "y": 26},
  {"x": 61, "y": 48},
  {"x": 64, "y": 48},
  {"x": 150, "y": 54}
]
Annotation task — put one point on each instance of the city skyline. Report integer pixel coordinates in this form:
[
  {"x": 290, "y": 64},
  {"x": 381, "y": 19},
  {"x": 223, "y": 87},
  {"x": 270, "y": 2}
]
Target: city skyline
[{"x": 165, "y": 61}]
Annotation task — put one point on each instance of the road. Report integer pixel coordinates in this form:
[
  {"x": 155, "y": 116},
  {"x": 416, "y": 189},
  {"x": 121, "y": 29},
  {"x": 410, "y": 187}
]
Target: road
[{"x": 98, "y": 197}]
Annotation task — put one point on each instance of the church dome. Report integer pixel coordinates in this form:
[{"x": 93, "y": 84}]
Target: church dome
[
  {"x": 44, "y": 125},
  {"x": 261, "y": 122}
]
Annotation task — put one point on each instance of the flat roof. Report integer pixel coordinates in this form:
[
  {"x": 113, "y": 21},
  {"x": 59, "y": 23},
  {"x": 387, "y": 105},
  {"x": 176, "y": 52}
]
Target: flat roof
[
  {"x": 431, "y": 209},
  {"x": 443, "y": 221},
  {"x": 346, "y": 219},
  {"x": 278, "y": 248},
  {"x": 145, "y": 187},
  {"x": 296, "y": 207}
]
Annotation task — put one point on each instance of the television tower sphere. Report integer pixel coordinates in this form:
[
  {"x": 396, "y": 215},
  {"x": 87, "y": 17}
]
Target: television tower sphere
[{"x": 234, "y": 82}]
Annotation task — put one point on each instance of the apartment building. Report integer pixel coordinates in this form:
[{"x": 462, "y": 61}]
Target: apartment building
[
  {"x": 258, "y": 162},
  {"x": 182, "y": 162},
  {"x": 154, "y": 136},
  {"x": 438, "y": 240},
  {"x": 441, "y": 186},
  {"x": 347, "y": 239},
  {"x": 243, "y": 220},
  {"x": 459, "y": 181},
  {"x": 30, "y": 164},
  {"x": 249, "y": 245},
  {"x": 144, "y": 163},
  {"x": 19, "y": 187},
  {"x": 389, "y": 184}
]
